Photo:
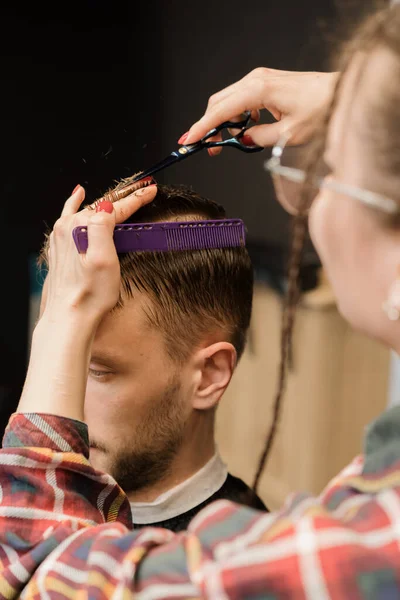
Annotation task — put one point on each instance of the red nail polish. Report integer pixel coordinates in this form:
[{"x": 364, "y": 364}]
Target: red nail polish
[
  {"x": 247, "y": 140},
  {"x": 183, "y": 138},
  {"x": 75, "y": 189},
  {"x": 105, "y": 205}
]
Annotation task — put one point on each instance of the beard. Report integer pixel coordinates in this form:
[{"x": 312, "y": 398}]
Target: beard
[{"x": 155, "y": 443}]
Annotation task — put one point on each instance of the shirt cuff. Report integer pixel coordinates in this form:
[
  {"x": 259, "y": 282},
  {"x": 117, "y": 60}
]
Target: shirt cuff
[{"x": 59, "y": 434}]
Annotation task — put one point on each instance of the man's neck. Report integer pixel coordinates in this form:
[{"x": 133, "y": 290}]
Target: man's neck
[
  {"x": 183, "y": 498},
  {"x": 197, "y": 448}
]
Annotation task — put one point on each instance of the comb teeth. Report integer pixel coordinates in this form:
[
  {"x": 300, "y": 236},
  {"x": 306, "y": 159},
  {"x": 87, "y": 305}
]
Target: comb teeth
[
  {"x": 170, "y": 236},
  {"x": 202, "y": 234}
]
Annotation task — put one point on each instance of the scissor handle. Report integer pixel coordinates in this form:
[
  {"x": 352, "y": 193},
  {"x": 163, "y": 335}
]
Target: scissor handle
[
  {"x": 236, "y": 124},
  {"x": 229, "y": 125},
  {"x": 234, "y": 142}
]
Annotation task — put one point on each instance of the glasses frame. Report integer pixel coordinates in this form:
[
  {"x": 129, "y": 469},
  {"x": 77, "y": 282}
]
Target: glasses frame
[{"x": 276, "y": 169}]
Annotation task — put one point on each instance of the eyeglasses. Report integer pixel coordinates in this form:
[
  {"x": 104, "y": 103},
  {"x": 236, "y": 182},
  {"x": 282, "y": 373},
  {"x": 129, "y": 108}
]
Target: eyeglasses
[{"x": 288, "y": 168}]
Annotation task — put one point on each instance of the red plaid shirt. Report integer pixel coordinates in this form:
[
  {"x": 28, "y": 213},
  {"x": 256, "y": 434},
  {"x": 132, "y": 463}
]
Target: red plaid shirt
[{"x": 66, "y": 530}]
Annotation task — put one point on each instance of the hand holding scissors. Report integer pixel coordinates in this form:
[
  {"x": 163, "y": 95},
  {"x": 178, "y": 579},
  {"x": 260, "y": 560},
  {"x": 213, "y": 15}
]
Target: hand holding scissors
[{"x": 185, "y": 151}]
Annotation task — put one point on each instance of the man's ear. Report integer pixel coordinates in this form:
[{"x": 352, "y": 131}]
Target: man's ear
[{"x": 214, "y": 367}]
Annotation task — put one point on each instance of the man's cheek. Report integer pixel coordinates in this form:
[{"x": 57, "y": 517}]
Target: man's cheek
[
  {"x": 101, "y": 409},
  {"x": 93, "y": 409}
]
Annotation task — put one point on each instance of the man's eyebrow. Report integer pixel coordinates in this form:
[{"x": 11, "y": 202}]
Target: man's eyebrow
[{"x": 106, "y": 358}]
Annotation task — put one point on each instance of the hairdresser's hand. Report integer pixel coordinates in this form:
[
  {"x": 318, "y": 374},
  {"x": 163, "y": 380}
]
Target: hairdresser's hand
[
  {"x": 87, "y": 284},
  {"x": 79, "y": 290},
  {"x": 296, "y": 100}
]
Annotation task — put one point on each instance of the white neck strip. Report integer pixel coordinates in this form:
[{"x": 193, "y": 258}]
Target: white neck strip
[{"x": 181, "y": 498}]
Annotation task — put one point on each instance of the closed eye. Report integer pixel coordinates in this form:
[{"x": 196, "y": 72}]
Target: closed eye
[{"x": 97, "y": 374}]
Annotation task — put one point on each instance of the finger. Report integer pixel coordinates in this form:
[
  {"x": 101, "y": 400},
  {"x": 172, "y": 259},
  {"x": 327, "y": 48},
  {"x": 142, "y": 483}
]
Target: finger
[
  {"x": 221, "y": 95},
  {"x": 126, "y": 207},
  {"x": 264, "y": 135},
  {"x": 215, "y": 151},
  {"x": 233, "y": 131},
  {"x": 100, "y": 230},
  {"x": 234, "y": 88},
  {"x": 255, "y": 116},
  {"x": 73, "y": 203},
  {"x": 226, "y": 110},
  {"x": 51, "y": 250},
  {"x": 43, "y": 297},
  {"x": 251, "y": 93},
  {"x": 269, "y": 134},
  {"x": 214, "y": 99}
]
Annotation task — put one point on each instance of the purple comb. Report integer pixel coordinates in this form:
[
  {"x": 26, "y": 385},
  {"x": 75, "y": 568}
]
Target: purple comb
[{"x": 164, "y": 237}]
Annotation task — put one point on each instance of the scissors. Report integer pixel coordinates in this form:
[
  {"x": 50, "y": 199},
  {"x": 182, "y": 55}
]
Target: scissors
[{"x": 185, "y": 151}]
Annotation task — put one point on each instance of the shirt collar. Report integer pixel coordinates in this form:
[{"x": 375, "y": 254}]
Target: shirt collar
[{"x": 183, "y": 497}]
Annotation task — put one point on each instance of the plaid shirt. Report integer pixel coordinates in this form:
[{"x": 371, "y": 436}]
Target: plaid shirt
[{"x": 66, "y": 530}]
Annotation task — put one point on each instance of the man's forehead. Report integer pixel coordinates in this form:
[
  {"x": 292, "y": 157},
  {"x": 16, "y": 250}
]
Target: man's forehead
[
  {"x": 130, "y": 315},
  {"x": 124, "y": 328}
]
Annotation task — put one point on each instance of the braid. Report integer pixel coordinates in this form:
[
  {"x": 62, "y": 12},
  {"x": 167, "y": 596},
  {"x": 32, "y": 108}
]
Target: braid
[
  {"x": 288, "y": 315},
  {"x": 293, "y": 293}
]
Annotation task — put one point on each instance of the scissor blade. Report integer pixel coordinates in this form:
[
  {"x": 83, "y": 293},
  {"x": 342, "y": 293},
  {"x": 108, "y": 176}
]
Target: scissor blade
[{"x": 163, "y": 164}]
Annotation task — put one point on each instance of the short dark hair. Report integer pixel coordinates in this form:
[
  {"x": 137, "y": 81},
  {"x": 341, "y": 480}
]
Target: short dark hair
[{"x": 191, "y": 292}]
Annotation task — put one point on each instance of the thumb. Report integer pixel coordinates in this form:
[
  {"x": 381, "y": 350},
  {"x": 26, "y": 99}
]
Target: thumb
[
  {"x": 265, "y": 135},
  {"x": 270, "y": 134},
  {"x": 100, "y": 230}
]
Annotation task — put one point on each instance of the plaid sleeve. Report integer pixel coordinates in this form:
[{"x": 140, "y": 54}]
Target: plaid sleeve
[
  {"x": 65, "y": 533},
  {"x": 44, "y": 467}
]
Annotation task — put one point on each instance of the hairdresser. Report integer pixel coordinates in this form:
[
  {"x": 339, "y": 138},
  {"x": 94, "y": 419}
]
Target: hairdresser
[{"x": 55, "y": 542}]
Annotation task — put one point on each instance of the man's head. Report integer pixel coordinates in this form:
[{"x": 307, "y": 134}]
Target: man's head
[{"x": 163, "y": 357}]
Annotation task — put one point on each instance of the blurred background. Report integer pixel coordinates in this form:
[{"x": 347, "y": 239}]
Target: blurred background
[{"x": 94, "y": 91}]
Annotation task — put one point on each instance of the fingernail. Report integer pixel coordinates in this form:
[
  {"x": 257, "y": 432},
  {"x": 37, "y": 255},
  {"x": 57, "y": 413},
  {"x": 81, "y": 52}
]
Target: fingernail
[
  {"x": 76, "y": 188},
  {"x": 248, "y": 140},
  {"x": 183, "y": 138},
  {"x": 212, "y": 151},
  {"x": 105, "y": 206}
]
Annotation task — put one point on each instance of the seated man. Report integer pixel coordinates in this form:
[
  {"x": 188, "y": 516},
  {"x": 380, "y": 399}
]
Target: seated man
[{"x": 161, "y": 361}]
